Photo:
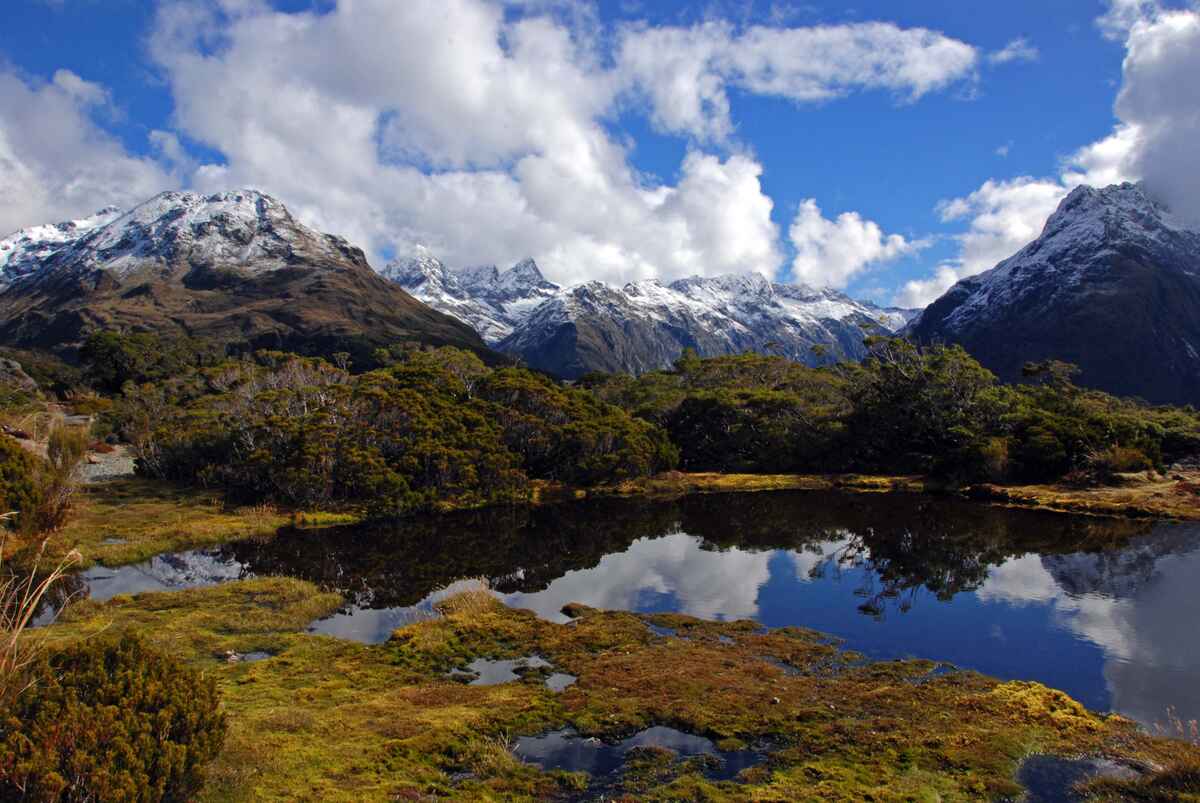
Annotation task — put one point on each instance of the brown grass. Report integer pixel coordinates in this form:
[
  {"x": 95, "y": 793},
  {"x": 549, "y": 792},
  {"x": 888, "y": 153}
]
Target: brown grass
[{"x": 20, "y": 596}]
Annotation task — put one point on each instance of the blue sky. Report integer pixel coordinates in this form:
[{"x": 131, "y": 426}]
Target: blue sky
[{"x": 187, "y": 94}]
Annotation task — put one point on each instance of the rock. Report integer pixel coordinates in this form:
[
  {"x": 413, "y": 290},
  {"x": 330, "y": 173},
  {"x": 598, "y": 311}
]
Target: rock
[
  {"x": 1112, "y": 286},
  {"x": 13, "y": 375}
]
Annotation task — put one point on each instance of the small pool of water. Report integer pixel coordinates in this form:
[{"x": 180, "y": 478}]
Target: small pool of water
[
  {"x": 565, "y": 750},
  {"x": 492, "y": 672},
  {"x": 1103, "y": 609},
  {"x": 1051, "y": 779}
]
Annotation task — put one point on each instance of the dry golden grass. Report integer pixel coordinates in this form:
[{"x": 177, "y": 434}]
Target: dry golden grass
[{"x": 21, "y": 594}]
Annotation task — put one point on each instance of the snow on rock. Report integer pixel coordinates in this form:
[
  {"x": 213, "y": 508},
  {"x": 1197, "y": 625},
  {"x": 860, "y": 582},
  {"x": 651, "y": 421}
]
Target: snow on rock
[
  {"x": 244, "y": 230},
  {"x": 519, "y": 312},
  {"x": 22, "y": 252},
  {"x": 491, "y": 301},
  {"x": 1089, "y": 226}
]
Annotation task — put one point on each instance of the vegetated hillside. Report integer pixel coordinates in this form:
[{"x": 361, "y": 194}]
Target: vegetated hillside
[
  {"x": 234, "y": 267},
  {"x": 1112, "y": 285}
]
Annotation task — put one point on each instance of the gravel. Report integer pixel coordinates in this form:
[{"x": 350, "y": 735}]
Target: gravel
[{"x": 115, "y": 465}]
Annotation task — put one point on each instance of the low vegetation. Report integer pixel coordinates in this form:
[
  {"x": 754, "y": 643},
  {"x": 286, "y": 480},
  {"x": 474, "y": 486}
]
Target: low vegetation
[
  {"x": 904, "y": 410},
  {"x": 433, "y": 430},
  {"x": 327, "y": 719},
  {"x": 109, "y": 719}
]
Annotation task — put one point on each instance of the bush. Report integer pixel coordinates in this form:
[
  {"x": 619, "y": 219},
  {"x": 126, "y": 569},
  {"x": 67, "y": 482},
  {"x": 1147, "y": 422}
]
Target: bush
[
  {"x": 433, "y": 429},
  {"x": 18, "y": 477},
  {"x": 110, "y": 720}
]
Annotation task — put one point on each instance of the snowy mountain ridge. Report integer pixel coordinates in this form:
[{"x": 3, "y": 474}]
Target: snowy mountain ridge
[
  {"x": 647, "y": 323},
  {"x": 1112, "y": 285},
  {"x": 243, "y": 228},
  {"x": 234, "y": 267},
  {"x": 1090, "y": 224},
  {"x": 491, "y": 301}
]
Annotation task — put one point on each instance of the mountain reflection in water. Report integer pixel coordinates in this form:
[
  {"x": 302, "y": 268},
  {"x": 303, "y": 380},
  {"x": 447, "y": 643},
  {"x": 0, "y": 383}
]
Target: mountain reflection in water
[{"x": 1103, "y": 609}]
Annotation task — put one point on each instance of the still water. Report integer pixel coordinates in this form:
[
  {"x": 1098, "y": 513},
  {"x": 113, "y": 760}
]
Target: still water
[{"x": 1106, "y": 610}]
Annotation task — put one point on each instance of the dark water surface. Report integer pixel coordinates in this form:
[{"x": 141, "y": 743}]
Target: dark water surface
[{"x": 1107, "y": 610}]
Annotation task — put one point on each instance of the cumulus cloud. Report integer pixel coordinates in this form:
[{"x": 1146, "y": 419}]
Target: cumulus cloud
[
  {"x": 1160, "y": 100},
  {"x": 686, "y": 72},
  {"x": 1157, "y": 141},
  {"x": 1018, "y": 49},
  {"x": 830, "y": 252},
  {"x": 55, "y": 161},
  {"x": 702, "y": 583},
  {"x": 484, "y": 136}
]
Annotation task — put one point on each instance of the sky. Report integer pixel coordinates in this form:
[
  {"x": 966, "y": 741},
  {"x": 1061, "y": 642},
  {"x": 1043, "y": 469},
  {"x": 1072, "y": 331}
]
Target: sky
[{"x": 887, "y": 150}]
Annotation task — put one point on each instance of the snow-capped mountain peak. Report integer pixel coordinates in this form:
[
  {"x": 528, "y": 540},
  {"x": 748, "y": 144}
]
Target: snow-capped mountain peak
[
  {"x": 489, "y": 299},
  {"x": 22, "y": 252},
  {"x": 244, "y": 230},
  {"x": 1111, "y": 285},
  {"x": 645, "y": 324},
  {"x": 1090, "y": 224}
]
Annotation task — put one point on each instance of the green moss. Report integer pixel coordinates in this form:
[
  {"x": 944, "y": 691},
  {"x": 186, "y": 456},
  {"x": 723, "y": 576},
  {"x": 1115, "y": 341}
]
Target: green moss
[
  {"x": 332, "y": 720},
  {"x": 128, "y": 521}
]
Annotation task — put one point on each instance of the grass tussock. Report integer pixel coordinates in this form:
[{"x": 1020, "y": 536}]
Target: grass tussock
[{"x": 21, "y": 595}]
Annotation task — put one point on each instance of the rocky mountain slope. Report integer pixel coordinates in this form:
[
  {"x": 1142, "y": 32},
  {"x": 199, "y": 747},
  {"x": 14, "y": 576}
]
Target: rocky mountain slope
[
  {"x": 234, "y": 266},
  {"x": 644, "y": 325},
  {"x": 1111, "y": 285},
  {"x": 491, "y": 301}
]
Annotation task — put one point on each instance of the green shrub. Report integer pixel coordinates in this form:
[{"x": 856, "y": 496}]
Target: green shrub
[
  {"x": 18, "y": 477},
  {"x": 110, "y": 720}
]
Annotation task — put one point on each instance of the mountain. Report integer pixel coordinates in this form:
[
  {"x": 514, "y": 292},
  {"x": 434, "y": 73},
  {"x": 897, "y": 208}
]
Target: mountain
[
  {"x": 1111, "y": 285},
  {"x": 491, "y": 301},
  {"x": 644, "y": 325},
  {"x": 234, "y": 266}
]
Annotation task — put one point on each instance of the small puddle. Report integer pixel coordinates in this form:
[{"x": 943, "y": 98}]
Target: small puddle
[
  {"x": 559, "y": 681},
  {"x": 665, "y": 632},
  {"x": 168, "y": 572},
  {"x": 232, "y": 657},
  {"x": 1050, "y": 779},
  {"x": 490, "y": 672},
  {"x": 565, "y": 750}
]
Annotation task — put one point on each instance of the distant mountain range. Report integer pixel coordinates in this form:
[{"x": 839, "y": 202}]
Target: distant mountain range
[
  {"x": 644, "y": 325},
  {"x": 234, "y": 266},
  {"x": 1111, "y": 285}
]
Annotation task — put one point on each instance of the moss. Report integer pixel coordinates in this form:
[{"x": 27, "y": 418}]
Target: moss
[
  {"x": 332, "y": 720},
  {"x": 676, "y": 483},
  {"x": 128, "y": 521},
  {"x": 1143, "y": 495}
]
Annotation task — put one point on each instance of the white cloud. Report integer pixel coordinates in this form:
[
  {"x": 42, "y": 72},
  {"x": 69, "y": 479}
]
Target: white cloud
[
  {"x": 55, "y": 162},
  {"x": 830, "y": 252},
  {"x": 1018, "y": 49},
  {"x": 686, "y": 72},
  {"x": 705, "y": 583},
  {"x": 1128, "y": 604},
  {"x": 1160, "y": 99},
  {"x": 484, "y": 136},
  {"x": 1157, "y": 141}
]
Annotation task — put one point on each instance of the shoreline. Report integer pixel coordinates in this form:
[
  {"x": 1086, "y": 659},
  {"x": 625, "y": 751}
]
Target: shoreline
[
  {"x": 1173, "y": 497},
  {"x": 125, "y": 521}
]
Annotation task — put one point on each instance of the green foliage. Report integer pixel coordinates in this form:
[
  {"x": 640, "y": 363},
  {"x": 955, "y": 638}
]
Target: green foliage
[
  {"x": 434, "y": 428},
  {"x": 110, "y": 720},
  {"x": 40, "y": 491},
  {"x": 110, "y": 359},
  {"x": 569, "y": 435},
  {"x": 19, "y": 487},
  {"x": 932, "y": 411},
  {"x": 50, "y": 372}
]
